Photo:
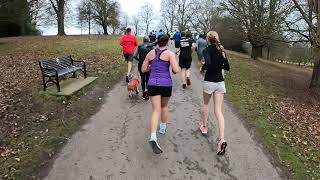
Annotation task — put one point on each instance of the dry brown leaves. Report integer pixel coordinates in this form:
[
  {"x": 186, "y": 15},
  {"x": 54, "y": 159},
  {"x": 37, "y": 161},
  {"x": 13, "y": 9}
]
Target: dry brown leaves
[{"x": 20, "y": 74}]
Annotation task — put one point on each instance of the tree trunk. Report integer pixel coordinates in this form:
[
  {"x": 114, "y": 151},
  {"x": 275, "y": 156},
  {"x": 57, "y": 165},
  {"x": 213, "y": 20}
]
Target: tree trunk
[
  {"x": 268, "y": 56},
  {"x": 315, "y": 80},
  {"x": 89, "y": 23},
  {"x": 256, "y": 52},
  {"x": 147, "y": 30},
  {"x": 60, "y": 18},
  {"x": 105, "y": 30}
]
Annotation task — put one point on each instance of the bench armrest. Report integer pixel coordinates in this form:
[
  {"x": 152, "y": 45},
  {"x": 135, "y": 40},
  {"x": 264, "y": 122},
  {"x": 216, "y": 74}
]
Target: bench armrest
[{"x": 50, "y": 69}]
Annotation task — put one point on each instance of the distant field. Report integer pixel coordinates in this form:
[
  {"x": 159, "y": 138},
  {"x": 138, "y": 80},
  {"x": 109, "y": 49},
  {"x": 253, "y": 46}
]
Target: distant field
[{"x": 33, "y": 125}]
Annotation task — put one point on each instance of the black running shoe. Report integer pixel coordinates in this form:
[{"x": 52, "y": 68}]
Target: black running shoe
[
  {"x": 127, "y": 79},
  {"x": 184, "y": 86},
  {"x": 144, "y": 95},
  {"x": 155, "y": 147}
]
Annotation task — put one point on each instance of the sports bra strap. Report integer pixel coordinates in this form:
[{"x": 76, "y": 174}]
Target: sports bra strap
[{"x": 159, "y": 54}]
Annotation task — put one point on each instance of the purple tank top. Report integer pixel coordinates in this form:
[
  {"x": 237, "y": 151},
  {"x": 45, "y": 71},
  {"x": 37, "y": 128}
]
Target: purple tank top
[{"x": 160, "y": 73}]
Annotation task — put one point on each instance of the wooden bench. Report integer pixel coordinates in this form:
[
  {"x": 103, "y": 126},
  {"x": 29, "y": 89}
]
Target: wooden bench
[{"x": 54, "y": 68}]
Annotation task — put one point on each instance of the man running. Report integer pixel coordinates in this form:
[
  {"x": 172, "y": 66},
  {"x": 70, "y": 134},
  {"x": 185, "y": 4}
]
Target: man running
[
  {"x": 185, "y": 57},
  {"x": 177, "y": 38},
  {"x": 201, "y": 45},
  {"x": 128, "y": 43},
  {"x": 152, "y": 37},
  {"x": 159, "y": 34},
  {"x": 171, "y": 37}
]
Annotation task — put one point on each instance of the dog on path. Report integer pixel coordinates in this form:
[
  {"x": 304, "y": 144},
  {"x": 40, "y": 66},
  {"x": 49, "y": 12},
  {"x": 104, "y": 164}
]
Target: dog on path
[{"x": 133, "y": 86}]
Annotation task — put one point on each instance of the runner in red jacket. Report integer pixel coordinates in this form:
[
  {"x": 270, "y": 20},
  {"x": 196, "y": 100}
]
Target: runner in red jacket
[{"x": 128, "y": 43}]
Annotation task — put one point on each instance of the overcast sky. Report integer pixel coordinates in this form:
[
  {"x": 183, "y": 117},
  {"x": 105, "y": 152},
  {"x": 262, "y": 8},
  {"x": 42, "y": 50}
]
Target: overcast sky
[{"x": 130, "y": 7}]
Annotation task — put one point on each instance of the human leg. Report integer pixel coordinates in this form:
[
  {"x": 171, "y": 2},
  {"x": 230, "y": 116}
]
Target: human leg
[
  {"x": 183, "y": 77},
  {"x": 164, "y": 114},
  {"x": 129, "y": 67},
  {"x": 205, "y": 113},
  {"x": 218, "y": 101},
  {"x": 143, "y": 81},
  {"x": 156, "y": 111},
  {"x": 188, "y": 77}
]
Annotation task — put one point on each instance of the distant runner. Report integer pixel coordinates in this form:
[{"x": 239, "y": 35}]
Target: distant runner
[
  {"x": 128, "y": 43},
  {"x": 185, "y": 57},
  {"x": 177, "y": 38},
  {"x": 201, "y": 45},
  {"x": 159, "y": 34},
  {"x": 171, "y": 37},
  {"x": 159, "y": 87},
  {"x": 152, "y": 37},
  {"x": 140, "y": 55}
]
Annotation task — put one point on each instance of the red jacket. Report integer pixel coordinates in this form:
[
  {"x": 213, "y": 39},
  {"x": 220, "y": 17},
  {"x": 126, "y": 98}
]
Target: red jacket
[{"x": 128, "y": 43}]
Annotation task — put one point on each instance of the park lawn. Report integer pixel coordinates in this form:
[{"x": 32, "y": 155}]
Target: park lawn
[
  {"x": 34, "y": 126},
  {"x": 277, "y": 105}
]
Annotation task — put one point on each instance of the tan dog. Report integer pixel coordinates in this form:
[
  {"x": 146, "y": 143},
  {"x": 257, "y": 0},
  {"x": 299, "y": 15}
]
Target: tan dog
[{"x": 133, "y": 87}]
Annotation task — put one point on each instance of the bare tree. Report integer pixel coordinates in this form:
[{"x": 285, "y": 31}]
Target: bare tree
[
  {"x": 136, "y": 22},
  {"x": 58, "y": 7},
  {"x": 105, "y": 13},
  {"x": 206, "y": 17},
  {"x": 36, "y": 8},
  {"x": 169, "y": 13},
  {"x": 85, "y": 13},
  {"x": 184, "y": 12},
  {"x": 125, "y": 21},
  {"x": 115, "y": 25},
  {"x": 259, "y": 18},
  {"x": 310, "y": 15},
  {"x": 146, "y": 14}
]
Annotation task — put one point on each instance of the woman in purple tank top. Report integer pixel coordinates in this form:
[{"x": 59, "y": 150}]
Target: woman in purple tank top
[{"x": 158, "y": 61}]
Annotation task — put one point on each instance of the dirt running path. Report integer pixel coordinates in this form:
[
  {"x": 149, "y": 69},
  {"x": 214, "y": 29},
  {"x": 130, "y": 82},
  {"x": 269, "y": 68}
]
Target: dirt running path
[{"x": 114, "y": 143}]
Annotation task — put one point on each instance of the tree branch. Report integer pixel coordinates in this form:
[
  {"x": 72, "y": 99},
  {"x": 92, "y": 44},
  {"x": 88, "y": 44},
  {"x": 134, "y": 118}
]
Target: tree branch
[
  {"x": 54, "y": 6},
  {"x": 304, "y": 15}
]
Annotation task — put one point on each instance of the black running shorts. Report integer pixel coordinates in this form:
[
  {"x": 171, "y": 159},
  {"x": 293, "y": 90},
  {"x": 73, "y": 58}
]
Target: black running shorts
[
  {"x": 128, "y": 57},
  {"x": 185, "y": 62},
  {"x": 159, "y": 91}
]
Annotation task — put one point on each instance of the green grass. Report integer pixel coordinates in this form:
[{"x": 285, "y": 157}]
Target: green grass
[
  {"x": 38, "y": 140},
  {"x": 253, "y": 97}
]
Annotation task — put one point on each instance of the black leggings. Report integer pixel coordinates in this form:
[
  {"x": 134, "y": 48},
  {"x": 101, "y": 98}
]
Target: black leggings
[{"x": 144, "y": 79}]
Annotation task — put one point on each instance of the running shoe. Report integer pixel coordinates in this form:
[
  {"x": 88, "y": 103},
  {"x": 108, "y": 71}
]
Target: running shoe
[
  {"x": 155, "y": 147},
  {"x": 188, "y": 81},
  {"x": 162, "y": 129},
  {"x": 144, "y": 96},
  {"x": 184, "y": 86},
  {"x": 222, "y": 148}
]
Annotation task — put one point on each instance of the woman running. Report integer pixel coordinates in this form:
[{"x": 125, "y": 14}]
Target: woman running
[
  {"x": 140, "y": 54},
  {"x": 159, "y": 87},
  {"x": 215, "y": 62}
]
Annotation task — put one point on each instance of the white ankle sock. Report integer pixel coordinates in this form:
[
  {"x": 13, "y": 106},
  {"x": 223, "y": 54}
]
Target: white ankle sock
[
  {"x": 153, "y": 137},
  {"x": 163, "y": 125}
]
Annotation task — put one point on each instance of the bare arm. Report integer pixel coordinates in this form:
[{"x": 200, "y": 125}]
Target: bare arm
[{"x": 173, "y": 63}]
